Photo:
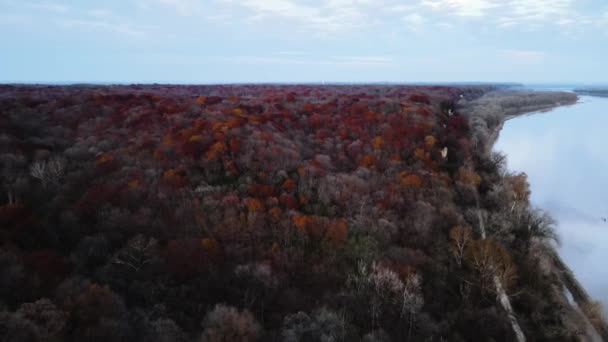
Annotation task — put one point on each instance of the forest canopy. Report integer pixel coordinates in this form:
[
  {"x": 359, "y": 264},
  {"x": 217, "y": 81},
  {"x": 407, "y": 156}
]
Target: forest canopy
[{"x": 265, "y": 212}]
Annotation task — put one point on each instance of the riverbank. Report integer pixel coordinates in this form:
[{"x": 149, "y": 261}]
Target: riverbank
[
  {"x": 489, "y": 112},
  {"x": 592, "y": 92},
  {"x": 583, "y": 309}
]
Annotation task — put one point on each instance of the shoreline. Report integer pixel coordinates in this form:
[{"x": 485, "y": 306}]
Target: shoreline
[
  {"x": 495, "y": 134},
  {"x": 580, "y": 298},
  {"x": 592, "y": 92}
]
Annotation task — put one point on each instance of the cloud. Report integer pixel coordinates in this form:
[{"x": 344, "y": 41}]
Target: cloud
[
  {"x": 15, "y": 19},
  {"x": 221, "y": 18},
  {"x": 400, "y": 8},
  {"x": 311, "y": 16},
  {"x": 331, "y": 18},
  {"x": 292, "y": 53},
  {"x": 537, "y": 13},
  {"x": 604, "y": 19},
  {"x": 369, "y": 61},
  {"x": 540, "y": 9},
  {"x": 519, "y": 14},
  {"x": 48, "y": 6},
  {"x": 334, "y": 61},
  {"x": 326, "y": 18},
  {"x": 103, "y": 25},
  {"x": 99, "y": 13},
  {"x": 414, "y": 21},
  {"x": 40, "y": 6},
  {"x": 464, "y": 8},
  {"x": 568, "y": 212},
  {"x": 181, "y": 7},
  {"x": 284, "y": 8},
  {"x": 525, "y": 56}
]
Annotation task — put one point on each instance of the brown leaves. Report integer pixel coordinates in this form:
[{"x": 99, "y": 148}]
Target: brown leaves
[
  {"x": 175, "y": 178},
  {"x": 275, "y": 213},
  {"x": 167, "y": 140},
  {"x": 460, "y": 237},
  {"x": 289, "y": 185},
  {"x": 104, "y": 158},
  {"x": 211, "y": 247},
  {"x": 195, "y": 138},
  {"x": 519, "y": 185},
  {"x": 378, "y": 142},
  {"x": 215, "y": 150},
  {"x": 301, "y": 222},
  {"x": 337, "y": 232},
  {"x": 134, "y": 184},
  {"x": 430, "y": 141},
  {"x": 254, "y": 205},
  {"x": 213, "y": 100},
  {"x": 234, "y": 144},
  {"x": 420, "y": 98},
  {"x": 289, "y": 201},
  {"x": 410, "y": 179},
  {"x": 491, "y": 260},
  {"x": 420, "y": 154},
  {"x": 468, "y": 177},
  {"x": 367, "y": 161},
  {"x": 106, "y": 162}
]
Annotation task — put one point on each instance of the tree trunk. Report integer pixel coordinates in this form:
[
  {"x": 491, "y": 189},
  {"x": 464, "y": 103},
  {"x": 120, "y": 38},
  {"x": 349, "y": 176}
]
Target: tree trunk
[{"x": 502, "y": 296}]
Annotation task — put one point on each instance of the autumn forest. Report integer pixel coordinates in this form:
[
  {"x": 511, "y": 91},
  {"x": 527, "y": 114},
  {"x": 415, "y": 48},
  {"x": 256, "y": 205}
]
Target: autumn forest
[{"x": 269, "y": 213}]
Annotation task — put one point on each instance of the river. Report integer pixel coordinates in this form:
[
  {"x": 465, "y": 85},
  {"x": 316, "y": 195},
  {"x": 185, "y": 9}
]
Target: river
[{"x": 563, "y": 153}]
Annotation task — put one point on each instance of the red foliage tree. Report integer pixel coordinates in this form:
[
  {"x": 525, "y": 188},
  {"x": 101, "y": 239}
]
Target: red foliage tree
[
  {"x": 420, "y": 98},
  {"x": 186, "y": 257}
]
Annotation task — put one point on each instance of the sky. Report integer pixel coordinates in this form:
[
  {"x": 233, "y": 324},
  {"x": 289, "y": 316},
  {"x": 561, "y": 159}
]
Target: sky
[
  {"x": 563, "y": 154},
  {"x": 243, "y": 41}
]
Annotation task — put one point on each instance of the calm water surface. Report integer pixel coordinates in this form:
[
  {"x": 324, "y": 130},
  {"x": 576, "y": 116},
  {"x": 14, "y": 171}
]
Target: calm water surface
[{"x": 564, "y": 152}]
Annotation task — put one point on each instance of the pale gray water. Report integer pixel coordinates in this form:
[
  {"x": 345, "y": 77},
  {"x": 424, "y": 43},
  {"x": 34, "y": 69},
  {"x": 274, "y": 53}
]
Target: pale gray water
[{"x": 564, "y": 154}]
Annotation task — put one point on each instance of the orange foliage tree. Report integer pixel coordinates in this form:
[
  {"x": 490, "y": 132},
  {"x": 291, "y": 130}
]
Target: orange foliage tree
[
  {"x": 254, "y": 205},
  {"x": 430, "y": 141},
  {"x": 468, "y": 176},
  {"x": 367, "y": 161},
  {"x": 378, "y": 142},
  {"x": 460, "y": 237},
  {"x": 519, "y": 185},
  {"x": 490, "y": 259},
  {"x": 337, "y": 231},
  {"x": 175, "y": 178},
  {"x": 215, "y": 150},
  {"x": 410, "y": 179}
]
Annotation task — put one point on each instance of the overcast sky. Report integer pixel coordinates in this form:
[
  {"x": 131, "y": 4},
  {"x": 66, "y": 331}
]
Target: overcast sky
[{"x": 218, "y": 41}]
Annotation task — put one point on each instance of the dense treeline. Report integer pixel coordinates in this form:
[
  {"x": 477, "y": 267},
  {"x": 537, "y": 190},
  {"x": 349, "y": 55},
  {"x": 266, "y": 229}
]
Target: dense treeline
[
  {"x": 601, "y": 92},
  {"x": 278, "y": 213}
]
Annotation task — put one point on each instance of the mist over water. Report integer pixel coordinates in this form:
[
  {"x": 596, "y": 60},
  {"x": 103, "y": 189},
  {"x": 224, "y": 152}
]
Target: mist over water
[{"x": 564, "y": 154}]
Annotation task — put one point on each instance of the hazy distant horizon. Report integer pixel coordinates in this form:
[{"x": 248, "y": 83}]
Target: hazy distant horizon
[{"x": 523, "y": 84}]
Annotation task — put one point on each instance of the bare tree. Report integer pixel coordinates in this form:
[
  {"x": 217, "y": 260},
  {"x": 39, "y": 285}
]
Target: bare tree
[
  {"x": 384, "y": 288},
  {"x": 12, "y": 176},
  {"x": 49, "y": 171},
  {"x": 460, "y": 238},
  {"x": 492, "y": 261},
  {"x": 38, "y": 170},
  {"x": 138, "y": 252},
  {"x": 226, "y": 323}
]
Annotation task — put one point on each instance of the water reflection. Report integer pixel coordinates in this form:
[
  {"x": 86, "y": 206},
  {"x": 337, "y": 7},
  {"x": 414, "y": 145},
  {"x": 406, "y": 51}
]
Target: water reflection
[{"x": 564, "y": 154}]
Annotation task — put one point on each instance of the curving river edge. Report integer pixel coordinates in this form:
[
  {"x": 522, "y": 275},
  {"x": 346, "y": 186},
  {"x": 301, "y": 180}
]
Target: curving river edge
[{"x": 576, "y": 291}]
